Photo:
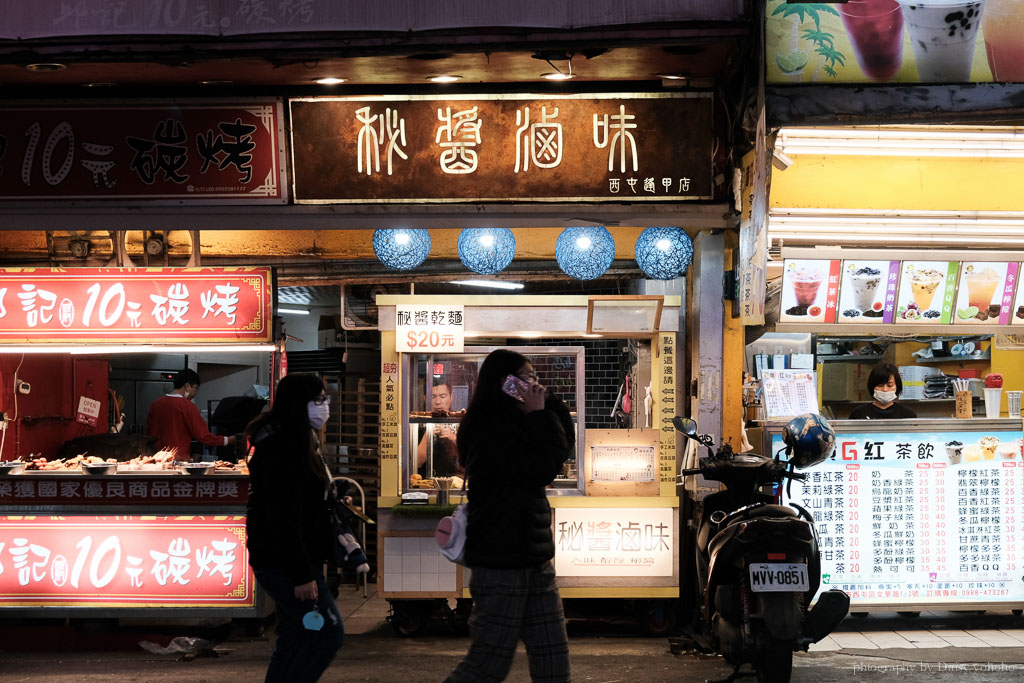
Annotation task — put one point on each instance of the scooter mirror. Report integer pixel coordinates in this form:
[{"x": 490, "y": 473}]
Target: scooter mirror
[{"x": 685, "y": 425}]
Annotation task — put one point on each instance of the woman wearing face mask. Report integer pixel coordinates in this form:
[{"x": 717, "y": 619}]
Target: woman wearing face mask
[
  {"x": 288, "y": 528},
  {"x": 885, "y": 386}
]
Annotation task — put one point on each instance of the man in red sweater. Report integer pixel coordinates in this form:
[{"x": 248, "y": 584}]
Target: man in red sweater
[{"x": 175, "y": 421}]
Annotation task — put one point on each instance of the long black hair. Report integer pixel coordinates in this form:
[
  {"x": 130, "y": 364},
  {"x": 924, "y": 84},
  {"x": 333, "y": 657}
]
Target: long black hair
[
  {"x": 488, "y": 398},
  {"x": 289, "y": 418}
]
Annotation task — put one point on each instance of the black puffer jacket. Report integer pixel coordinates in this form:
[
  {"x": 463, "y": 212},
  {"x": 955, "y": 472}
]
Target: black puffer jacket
[
  {"x": 286, "y": 515},
  {"x": 509, "y": 462}
]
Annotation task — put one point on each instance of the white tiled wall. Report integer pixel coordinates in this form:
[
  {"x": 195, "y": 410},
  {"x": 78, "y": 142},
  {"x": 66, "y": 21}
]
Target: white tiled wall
[{"x": 416, "y": 564}]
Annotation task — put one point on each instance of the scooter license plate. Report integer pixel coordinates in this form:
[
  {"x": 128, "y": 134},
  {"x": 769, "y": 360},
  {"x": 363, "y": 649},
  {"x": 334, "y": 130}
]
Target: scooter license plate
[{"x": 775, "y": 577}]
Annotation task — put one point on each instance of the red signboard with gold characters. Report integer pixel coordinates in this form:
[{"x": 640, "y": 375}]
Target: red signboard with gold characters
[
  {"x": 124, "y": 561},
  {"x": 135, "y": 305}
]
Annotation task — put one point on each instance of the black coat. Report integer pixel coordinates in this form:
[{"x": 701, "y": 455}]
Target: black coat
[
  {"x": 286, "y": 521},
  {"x": 510, "y": 459}
]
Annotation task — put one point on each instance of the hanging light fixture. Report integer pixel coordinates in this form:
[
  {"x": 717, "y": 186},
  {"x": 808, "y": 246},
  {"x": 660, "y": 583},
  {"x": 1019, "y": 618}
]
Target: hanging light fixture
[
  {"x": 664, "y": 253},
  {"x": 486, "y": 250},
  {"x": 585, "y": 252},
  {"x": 401, "y": 248}
]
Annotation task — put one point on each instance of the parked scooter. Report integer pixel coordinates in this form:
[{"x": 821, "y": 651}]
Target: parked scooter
[{"x": 757, "y": 561}]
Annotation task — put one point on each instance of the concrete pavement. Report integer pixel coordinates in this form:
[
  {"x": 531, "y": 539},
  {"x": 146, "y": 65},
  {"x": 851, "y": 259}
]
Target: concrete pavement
[{"x": 938, "y": 648}]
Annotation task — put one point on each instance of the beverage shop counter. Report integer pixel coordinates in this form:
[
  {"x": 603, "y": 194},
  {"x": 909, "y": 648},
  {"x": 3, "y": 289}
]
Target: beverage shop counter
[{"x": 918, "y": 514}]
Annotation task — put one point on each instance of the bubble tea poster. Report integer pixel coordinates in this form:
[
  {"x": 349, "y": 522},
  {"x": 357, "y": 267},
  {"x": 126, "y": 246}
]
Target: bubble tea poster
[
  {"x": 985, "y": 295},
  {"x": 894, "y": 41},
  {"x": 868, "y": 291},
  {"x": 810, "y": 291},
  {"x": 927, "y": 292}
]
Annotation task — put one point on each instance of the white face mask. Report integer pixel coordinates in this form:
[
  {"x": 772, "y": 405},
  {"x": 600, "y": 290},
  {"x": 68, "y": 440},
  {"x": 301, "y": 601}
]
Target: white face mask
[
  {"x": 885, "y": 396},
  {"x": 318, "y": 414}
]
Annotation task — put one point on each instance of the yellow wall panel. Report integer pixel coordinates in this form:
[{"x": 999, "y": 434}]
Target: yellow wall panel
[{"x": 854, "y": 182}]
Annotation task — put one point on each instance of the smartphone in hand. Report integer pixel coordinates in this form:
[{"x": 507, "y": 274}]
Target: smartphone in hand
[{"x": 515, "y": 387}]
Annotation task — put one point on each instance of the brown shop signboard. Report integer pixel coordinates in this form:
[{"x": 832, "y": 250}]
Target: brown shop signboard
[{"x": 637, "y": 147}]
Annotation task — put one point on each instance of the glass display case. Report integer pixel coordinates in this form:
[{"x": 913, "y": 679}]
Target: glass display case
[{"x": 436, "y": 391}]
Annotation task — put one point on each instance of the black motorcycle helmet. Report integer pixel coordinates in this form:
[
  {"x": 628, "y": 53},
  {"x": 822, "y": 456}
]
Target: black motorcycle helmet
[{"x": 809, "y": 440}]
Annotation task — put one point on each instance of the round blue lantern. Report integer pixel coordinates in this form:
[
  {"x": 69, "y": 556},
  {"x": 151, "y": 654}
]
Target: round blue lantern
[
  {"x": 486, "y": 250},
  {"x": 585, "y": 252},
  {"x": 401, "y": 248},
  {"x": 664, "y": 253}
]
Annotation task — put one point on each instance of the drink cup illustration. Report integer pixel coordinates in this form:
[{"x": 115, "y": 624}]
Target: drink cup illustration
[
  {"x": 953, "y": 451},
  {"x": 981, "y": 287},
  {"x": 805, "y": 286},
  {"x": 923, "y": 285},
  {"x": 865, "y": 287},
  {"x": 1002, "y": 24},
  {"x": 875, "y": 28},
  {"x": 943, "y": 34}
]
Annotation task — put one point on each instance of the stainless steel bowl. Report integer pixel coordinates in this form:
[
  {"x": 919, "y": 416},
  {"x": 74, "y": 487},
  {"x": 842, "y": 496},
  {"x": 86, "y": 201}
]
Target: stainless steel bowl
[
  {"x": 11, "y": 467},
  {"x": 196, "y": 469},
  {"x": 99, "y": 467}
]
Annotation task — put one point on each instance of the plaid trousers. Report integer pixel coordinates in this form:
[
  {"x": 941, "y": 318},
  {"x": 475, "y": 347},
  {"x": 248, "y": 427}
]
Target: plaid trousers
[{"x": 509, "y": 605}]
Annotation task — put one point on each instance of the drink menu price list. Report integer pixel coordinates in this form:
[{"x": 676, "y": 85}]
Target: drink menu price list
[
  {"x": 904, "y": 519},
  {"x": 789, "y": 392}
]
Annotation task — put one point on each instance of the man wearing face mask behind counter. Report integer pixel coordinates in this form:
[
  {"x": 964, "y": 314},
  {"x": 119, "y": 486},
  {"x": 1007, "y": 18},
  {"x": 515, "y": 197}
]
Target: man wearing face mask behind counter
[{"x": 885, "y": 386}]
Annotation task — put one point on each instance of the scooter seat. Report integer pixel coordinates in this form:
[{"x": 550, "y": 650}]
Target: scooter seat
[{"x": 767, "y": 510}]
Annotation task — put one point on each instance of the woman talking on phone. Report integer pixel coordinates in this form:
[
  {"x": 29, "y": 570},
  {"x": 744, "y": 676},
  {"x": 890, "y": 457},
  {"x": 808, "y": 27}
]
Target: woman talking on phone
[{"x": 512, "y": 443}]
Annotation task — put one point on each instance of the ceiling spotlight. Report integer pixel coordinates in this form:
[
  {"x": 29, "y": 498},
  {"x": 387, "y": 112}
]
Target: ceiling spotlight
[
  {"x": 100, "y": 84},
  {"x": 216, "y": 81},
  {"x": 447, "y": 78},
  {"x": 46, "y": 66},
  {"x": 558, "y": 74},
  {"x": 330, "y": 80},
  {"x": 672, "y": 77}
]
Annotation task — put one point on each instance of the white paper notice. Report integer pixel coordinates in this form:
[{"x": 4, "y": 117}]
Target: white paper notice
[{"x": 790, "y": 392}]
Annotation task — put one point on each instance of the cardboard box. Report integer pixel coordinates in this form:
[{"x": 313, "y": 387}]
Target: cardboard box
[{"x": 845, "y": 381}]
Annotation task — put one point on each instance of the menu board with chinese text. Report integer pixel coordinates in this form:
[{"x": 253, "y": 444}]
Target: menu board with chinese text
[
  {"x": 810, "y": 291},
  {"x": 867, "y": 293},
  {"x": 920, "y": 518},
  {"x": 927, "y": 292},
  {"x": 624, "y": 463}
]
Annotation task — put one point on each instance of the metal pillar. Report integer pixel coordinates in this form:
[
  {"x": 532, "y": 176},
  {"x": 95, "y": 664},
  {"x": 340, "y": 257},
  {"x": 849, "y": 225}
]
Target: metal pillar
[{"x": 705, "y": 332}]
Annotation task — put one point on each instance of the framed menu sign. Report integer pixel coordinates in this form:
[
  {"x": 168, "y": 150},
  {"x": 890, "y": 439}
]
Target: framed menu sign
[
  {"x": 919, "y": 518},
  {"x": 868, "y": 291},
  {"x": 927, "y": 292},
  {"x": 810, "y": 291},
  {"x": 986, "y": 293}
]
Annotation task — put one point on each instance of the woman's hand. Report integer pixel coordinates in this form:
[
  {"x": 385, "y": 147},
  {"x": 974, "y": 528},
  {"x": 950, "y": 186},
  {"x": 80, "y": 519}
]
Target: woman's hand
[
  {"x": 534, "y": 399},
  {"x": 306, "y": 592}
]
